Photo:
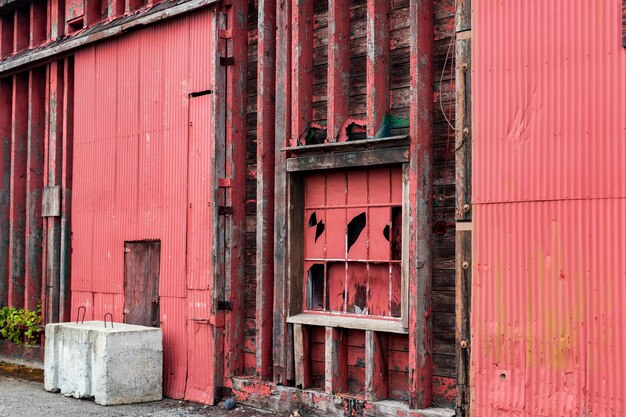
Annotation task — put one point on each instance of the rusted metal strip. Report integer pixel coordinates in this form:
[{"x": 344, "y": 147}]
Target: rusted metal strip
[
  {"x": 420, "y": 211},
  {"x": 265, "y": 187},
  {"x": 377, "y": 64},
  {"x": 17, "y": 220},
  {"x": 34, "y": 188},
  {"x": 302, "y": 65},
  {"x": 283, "y": 368},
  {"x": 338, "y": 67}
]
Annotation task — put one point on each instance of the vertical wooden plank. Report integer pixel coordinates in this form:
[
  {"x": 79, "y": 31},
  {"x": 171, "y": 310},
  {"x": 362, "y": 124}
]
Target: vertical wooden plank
[
  {"x": 377, "y": 64},
  {"x": 38, "y": 23},
  {"x": 6, "y": 105},
  {"x": 283, "y": 368},
  {"x": 67, "y": 151},
  {"x": 21, "y": 26},
  {"x": 420, "y": 205},
  {"x": 19, "y": 134},
  {"x": 236, "y": 137},
  {"x": 34, "y": 189},
  {"x": 463, "y": 241},
  {"x": 302, "y": 356},
  {"x": 336, "y": 367},
  {"x": 376, "y": 380},
  {"x": 265, "y": 187},
  {"x": 302, "y": 67},
  {"x": 56, "y": 23},
  {"x": 338, "y": 66},
  {"x": 6, "y": 36},
  {"x": 93, "y": 12}
]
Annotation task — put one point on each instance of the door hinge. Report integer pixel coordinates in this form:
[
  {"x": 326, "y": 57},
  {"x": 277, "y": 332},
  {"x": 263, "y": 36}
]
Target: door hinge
[
  {"x": 225, "y": 210},
  {"x": 226, "y": 61},
  {"x": 225, "y": 305}
]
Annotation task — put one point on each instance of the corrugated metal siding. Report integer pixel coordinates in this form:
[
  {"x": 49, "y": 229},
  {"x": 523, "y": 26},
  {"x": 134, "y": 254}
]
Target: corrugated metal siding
[
  {"x": 134, "y": 155},
  {"x": 549, "y": 279},
  {"x": 549, "y": 108}
]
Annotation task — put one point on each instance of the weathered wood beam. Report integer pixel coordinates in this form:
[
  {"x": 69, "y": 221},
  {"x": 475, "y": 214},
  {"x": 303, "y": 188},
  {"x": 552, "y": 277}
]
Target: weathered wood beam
[
  {"x": 376, "y": 377},
  {"x": 302, "y": 67},
  {"x": 377, "y": 64},
  {"x": 17, "y": 220},
  {"x": 38, "y": 23},
  {"x": 93, "y": 12},
  {"x": 338, "y": 67},
  {"x": 266, "y": 67},
  {"x": 463, "y": 214},
  {"x": 54, "y": 139},
  {"x": 6, "y": 105},
  {"x": 348, "y": 159},
  {"x": 236, "y": 37},
  {"x": 420, "y": 207},
  {"x": 56, "y": 23},
  {"x": 34, "y": 189},
  {"x": 283, "y": 368},
  {"x": 302, "y": 356},
  {"x": 21, "y": 26},
  {"x": 336, "y": 361},
  {"x": 6, "y": 36}
]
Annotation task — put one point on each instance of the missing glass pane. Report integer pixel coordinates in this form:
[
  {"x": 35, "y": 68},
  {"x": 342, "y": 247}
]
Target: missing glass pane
[
  {"x": 396, "y": 233},
  {"x": 315, "y": 287}
]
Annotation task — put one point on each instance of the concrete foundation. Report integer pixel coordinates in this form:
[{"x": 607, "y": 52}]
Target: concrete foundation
[{"x": 119, "y": 365}]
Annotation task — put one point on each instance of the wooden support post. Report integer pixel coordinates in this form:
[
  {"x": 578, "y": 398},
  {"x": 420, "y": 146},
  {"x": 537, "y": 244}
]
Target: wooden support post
[
  {"x": 338, "y": 67},
  {"x": 376, "y": 377},
  {"x": 237, "y": 47},
  {"x": 302, "y": 356},
  {"x": 38, "y": 23},
  {"x": 17, "y": 219},
  {"x": 54, "y": 139},
  {"x": 6, "y": 104},
  {"x": 56, "y": 23},
  {"x": 115, "y": 8},
  {"x": 67, "y": 150},
  {"x": 302, "y": 66},
  {"x": 377, "y": 64},
  {"x": 34, "y": 188},
  {"x": 6, "y": 36},
  {"x": 420, "y": 205},
  {"x": 283, "y": 347},
  {"x": 265, "y": 187},
  {"x": 93, "y": 12},
  {"x": 463, "y": 249},
  {"x": 336, "y": 368},
  {"x": 21, "y": 26}
]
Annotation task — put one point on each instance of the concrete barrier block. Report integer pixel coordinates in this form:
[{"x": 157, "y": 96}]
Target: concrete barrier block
[{"x": 118, "y": 365}]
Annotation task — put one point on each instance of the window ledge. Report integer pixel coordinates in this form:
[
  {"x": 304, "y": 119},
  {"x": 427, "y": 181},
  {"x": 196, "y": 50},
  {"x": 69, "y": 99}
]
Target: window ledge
[{"x": 331, "y": 320}]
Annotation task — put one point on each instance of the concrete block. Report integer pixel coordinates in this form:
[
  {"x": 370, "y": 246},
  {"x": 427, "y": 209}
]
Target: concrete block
[{"x": 119, "y": 365}]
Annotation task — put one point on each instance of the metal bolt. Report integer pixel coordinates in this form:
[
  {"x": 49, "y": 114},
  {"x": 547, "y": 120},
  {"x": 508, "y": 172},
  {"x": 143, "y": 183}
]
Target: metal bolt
[
  {"x": 465, "y": 131},
  {"x": 466, "y": 208},
  {"x": 464, "y": 344},
  {"x": 465, "y": 265},
  {"x": 464, "y": 66}
]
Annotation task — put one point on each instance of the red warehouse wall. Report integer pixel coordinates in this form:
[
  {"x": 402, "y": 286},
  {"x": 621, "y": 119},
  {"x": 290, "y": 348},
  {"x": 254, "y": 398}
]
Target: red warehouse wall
[{"x": 549, "y": 106}]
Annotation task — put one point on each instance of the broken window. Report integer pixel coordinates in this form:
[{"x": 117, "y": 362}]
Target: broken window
[{"x": 353, "y": 242}]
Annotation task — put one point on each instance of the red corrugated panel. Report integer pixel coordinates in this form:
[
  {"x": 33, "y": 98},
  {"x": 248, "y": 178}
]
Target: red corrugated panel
[
  {"x": 549, "y": 106},
  {"x": 142, "y": 171},
  {"x": 549, "y": 81}
]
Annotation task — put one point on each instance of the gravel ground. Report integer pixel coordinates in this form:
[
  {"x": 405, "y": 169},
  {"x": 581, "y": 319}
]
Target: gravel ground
[{"x": 26, "y": 398}]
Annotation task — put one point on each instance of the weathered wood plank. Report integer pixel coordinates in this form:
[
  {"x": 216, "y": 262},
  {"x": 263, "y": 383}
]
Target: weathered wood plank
[
  {"x": 377, "y": 64},
  {"x": 421, "y": 191},
  {"x": 346, "y": 322},
  {"x": 463, "y": 141},
  {"x": 302, "y": 356},
  {"x": 376, "y": 377},
  {"x": 338, "y": 68},
  {"x": 302, "y": 65},
  {"x": 462, "y": 301},
  {"x": 6, "y": 103},
  {"x": 336, "y": 366},
  {"x": 348, "y": 159}
]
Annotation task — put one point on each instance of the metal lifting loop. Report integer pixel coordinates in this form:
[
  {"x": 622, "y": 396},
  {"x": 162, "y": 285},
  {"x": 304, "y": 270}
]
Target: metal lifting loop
[
  {"x": 78, "y": 315},
  {"x": 105, "y": 319}
]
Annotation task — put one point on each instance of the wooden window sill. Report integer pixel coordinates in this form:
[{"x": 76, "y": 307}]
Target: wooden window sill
[{"x": 331, "y": 320}]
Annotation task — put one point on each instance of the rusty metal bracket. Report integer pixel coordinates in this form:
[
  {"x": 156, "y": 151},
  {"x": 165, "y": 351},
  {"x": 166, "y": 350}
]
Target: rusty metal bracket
[
  {"x": 84, "y": 309},
  {"x": 225, "y": 305},
  {"x": 226, "y": 61},
  {"x": 105, "y": 319}
]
